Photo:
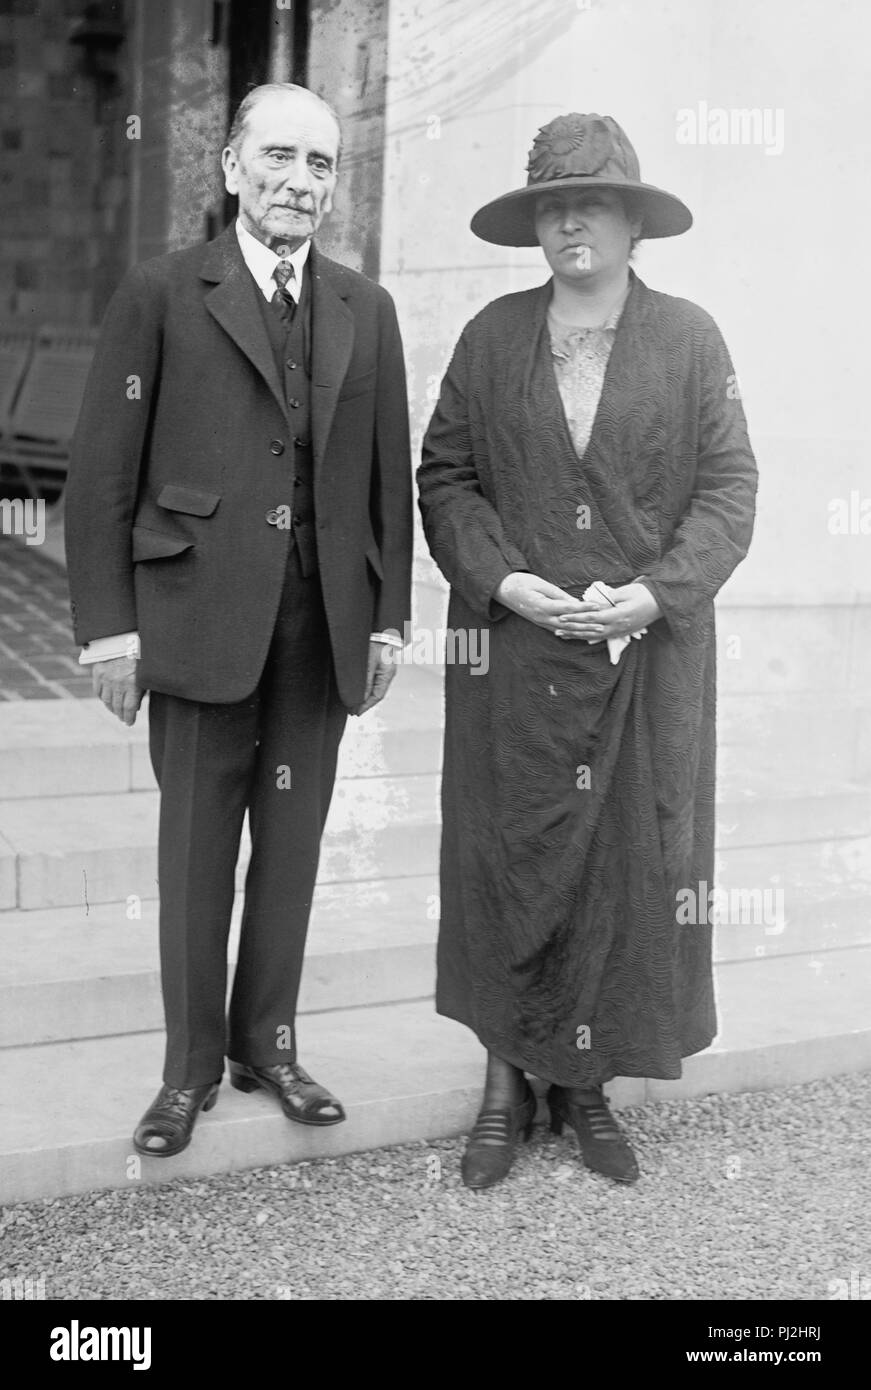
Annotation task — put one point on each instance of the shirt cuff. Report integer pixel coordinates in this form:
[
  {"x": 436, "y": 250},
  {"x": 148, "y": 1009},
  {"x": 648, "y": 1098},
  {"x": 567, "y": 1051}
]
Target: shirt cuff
[
  {"x": 108, "y": 648},
  {"x": 392, "y": 639}
]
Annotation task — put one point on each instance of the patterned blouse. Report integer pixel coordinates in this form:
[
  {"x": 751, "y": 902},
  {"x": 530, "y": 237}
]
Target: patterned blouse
[{"x": 580, "y": 357}]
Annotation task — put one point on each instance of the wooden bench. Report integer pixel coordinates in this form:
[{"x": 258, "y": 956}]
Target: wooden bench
[
  {"x": 16, "y": 347},
  {"x": 46, "y": 403}
]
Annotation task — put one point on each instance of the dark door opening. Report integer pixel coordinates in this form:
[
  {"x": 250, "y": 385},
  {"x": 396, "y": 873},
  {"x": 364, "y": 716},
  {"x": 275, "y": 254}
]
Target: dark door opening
[{"x": 252, "y": 30}]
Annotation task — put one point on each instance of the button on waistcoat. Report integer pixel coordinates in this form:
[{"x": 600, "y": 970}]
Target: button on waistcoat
[{"x": 291, "y": 346}]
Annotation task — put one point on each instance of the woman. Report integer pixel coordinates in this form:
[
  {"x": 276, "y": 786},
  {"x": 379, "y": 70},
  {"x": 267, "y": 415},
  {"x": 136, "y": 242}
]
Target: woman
[{"x": 586, "y": 478}]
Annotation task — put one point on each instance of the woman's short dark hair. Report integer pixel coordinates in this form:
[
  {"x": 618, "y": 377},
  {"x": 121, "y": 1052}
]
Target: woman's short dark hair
[{"x": 633, "y": 209}]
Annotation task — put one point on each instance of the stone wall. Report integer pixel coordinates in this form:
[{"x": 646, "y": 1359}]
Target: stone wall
[
  {"x": 774, "y": 259},
  {"x": 180, "y": 66},
  {"x": 347, "y": 66}
]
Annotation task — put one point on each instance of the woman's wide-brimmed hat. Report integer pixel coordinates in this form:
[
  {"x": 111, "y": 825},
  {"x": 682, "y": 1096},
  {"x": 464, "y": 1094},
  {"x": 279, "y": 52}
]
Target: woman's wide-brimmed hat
[{"x": 579, "y": 152}]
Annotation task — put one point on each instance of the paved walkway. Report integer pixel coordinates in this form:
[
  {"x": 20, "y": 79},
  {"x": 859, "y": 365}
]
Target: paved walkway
[{"x": 38, "y": 659}]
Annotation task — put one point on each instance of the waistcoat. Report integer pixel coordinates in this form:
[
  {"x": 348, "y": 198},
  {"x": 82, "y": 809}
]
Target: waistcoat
[{"x": 291, "y": 347}]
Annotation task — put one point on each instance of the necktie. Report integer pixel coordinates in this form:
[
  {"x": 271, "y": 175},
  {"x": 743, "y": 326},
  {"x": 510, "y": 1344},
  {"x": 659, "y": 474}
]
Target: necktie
[{"x": 282, "y": 300}]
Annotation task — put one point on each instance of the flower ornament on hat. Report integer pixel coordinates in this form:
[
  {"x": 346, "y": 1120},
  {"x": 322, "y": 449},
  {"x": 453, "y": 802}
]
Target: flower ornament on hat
[
  {"x": 588, "y": 145},
  {"x": 579, "y": 151}
]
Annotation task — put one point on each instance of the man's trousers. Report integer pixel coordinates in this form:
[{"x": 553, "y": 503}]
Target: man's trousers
[{"x": 274, "y": 755}]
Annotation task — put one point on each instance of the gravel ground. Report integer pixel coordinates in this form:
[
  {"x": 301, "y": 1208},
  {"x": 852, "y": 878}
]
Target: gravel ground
[{"x": 764, "y": 1195}]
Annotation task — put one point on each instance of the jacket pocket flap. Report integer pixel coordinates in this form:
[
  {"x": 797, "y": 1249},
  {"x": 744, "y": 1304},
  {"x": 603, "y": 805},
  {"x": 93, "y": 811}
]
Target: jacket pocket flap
[
  {"x": 187, "y": 499},
  {"x": 373, "y": 555},
  {"x": 154, "y": 545}
]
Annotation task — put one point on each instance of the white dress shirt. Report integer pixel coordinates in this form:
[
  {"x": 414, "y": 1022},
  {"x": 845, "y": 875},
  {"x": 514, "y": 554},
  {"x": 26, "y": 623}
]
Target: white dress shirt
[{"x": 261, "y": 260}]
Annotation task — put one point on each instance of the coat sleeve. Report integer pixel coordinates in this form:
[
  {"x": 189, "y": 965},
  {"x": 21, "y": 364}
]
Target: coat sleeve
[
  {"x": 714, "y": 533},
  {"x": 391, "y": 496},
  {"x": 462, "y": 527},
  {"x": 105, "y": 459}
]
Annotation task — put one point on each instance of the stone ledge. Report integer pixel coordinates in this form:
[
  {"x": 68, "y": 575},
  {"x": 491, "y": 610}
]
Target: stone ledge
[{"x": 403, "y": 1073}]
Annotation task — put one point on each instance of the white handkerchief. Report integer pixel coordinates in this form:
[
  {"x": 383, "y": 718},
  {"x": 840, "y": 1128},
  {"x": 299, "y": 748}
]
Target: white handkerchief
[{"x": 598, "y": 589}]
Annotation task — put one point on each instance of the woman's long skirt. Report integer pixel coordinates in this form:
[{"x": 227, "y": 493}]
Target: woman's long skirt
[{"x": 578, "y": 810}]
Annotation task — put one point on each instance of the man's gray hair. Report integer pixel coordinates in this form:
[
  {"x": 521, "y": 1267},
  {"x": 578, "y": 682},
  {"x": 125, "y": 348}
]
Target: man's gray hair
[{"x": 246, "y": 106}]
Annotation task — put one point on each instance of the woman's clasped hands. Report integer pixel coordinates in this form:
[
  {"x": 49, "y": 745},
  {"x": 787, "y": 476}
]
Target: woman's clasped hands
[{"x": 625, "y": 609}]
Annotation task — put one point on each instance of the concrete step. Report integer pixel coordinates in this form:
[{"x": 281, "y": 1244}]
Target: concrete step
[
  {"x": 57, "y": 852},
  {"x": 782, "y": 1021},
  {"x": 51, "y": 748},
  {"x": 68, "y": 973},
  {"x": 757, "y": 808},
  {"x": 64, "y": 747},
  {"x": 823, "y": 736},
  {"x": 793, "y": 899},
  {"x": 60, "y": 851},
  {"x": 75, "y": 747},
  {"x": 67, "y": 1110}
]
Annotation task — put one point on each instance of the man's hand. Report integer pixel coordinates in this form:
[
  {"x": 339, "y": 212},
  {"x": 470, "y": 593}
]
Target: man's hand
[
  {"x": 632, "y": 607},
  {"x": 539, "y": 601},
  {"x": 379, "y": 673},
  {"x": 115, "y": 683}
]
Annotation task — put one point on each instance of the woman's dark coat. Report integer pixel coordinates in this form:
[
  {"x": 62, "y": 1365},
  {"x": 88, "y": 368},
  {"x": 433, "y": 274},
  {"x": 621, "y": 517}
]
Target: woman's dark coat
[{"x": 578, "y": 796}]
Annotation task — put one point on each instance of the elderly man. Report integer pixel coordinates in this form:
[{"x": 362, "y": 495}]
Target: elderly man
[{"x": 238, "y": 521}]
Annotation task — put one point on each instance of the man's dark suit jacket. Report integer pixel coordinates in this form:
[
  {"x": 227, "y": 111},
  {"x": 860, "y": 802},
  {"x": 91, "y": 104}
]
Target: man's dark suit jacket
[{"x": 185, "y": 444}]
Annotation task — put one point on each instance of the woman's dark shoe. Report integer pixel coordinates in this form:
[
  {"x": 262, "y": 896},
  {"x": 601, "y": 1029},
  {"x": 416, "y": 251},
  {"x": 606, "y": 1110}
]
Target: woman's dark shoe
[
  {"x": 302, "y": 1099},
  {"x": 490, "y": 1150},
  {"x": 603, "y": 1145},
  {"x": 168, "y": 1123}
]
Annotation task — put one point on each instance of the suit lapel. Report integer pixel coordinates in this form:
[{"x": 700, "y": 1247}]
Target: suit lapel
[
  {"x": 631, "y": 392},
  {"x": 233, "y": 302},
  {"x": 332, "y": 343}
]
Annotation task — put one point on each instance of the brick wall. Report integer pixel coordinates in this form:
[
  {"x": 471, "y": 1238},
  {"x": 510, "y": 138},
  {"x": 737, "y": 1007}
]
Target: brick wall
[{"x": 63, "y": 175}]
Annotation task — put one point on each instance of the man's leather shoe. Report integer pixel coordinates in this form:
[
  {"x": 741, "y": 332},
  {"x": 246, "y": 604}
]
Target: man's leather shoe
[
  {"x": 168, "y": 1123},
  {"x": 302, "y": 1099}
]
